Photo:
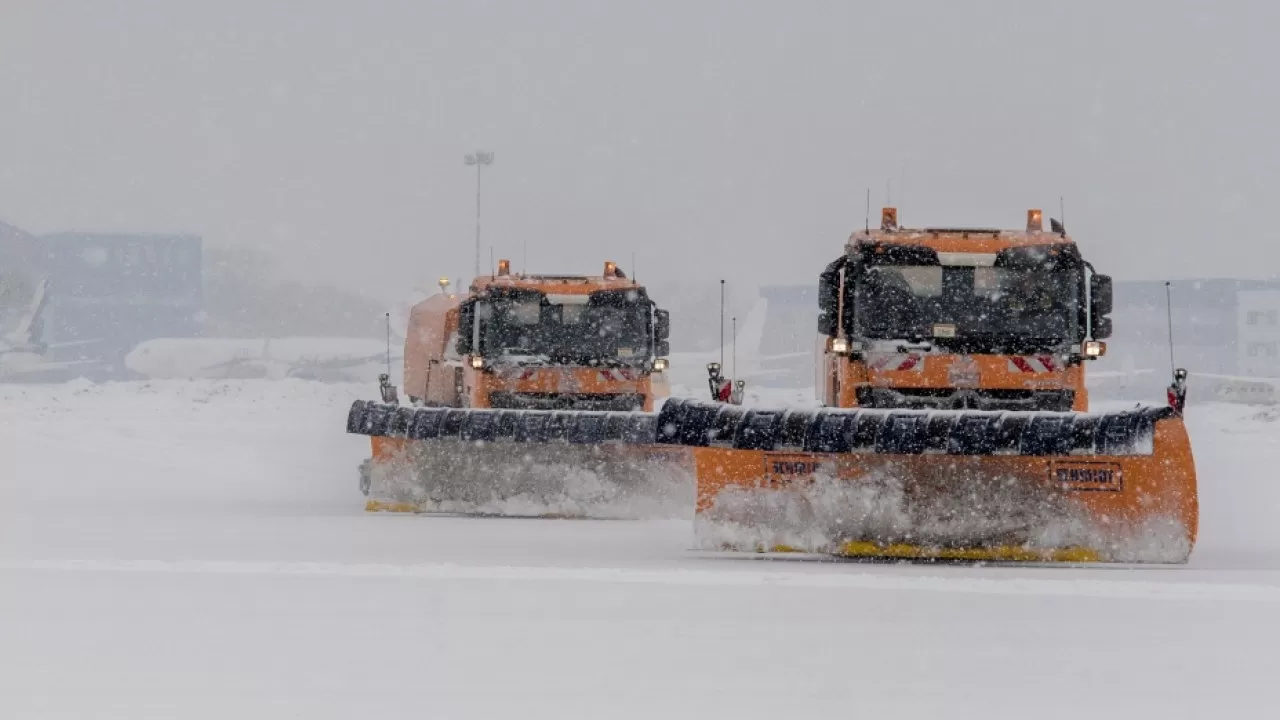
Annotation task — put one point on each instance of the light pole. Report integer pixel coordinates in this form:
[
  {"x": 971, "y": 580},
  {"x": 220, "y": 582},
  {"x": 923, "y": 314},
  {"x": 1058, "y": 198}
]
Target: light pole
[{"x": 478, "y": 158}]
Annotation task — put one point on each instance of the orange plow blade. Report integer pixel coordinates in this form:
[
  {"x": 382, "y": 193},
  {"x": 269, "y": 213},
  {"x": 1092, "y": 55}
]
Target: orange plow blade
[
  {"x": 1032, "y": 487},
  {"x": 532, "y": 463},
  {"x": 962, "y": 485}
]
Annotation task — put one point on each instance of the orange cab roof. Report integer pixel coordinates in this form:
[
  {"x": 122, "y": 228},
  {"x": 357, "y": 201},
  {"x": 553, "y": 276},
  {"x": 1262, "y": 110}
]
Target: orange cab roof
[
  {"x": 953, "y": 239},
  {"x": 612, "y": 279}
]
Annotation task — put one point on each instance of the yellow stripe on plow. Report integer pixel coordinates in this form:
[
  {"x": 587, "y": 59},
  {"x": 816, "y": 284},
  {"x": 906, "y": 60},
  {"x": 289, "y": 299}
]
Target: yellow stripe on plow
[
  {"x": 392, "y": 506},
  {"x": 1007, "y": 553}
]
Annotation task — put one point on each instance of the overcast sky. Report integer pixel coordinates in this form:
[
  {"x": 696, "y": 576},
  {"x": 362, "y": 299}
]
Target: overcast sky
[{"x": 712, "y": 139}]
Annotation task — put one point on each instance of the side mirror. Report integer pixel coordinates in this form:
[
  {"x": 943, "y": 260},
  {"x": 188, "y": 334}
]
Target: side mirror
[
  {"x": 1101, "y": 328},
  {"x": 662, "y": 348},
  {"x": 1100, "y": 305},
  {"x": 466, "y": 317},
  {"x": 1100, "y": 292},
  {"x": 387, "y": 390},
  {"x": 1178, "y": 391},
  {"x": 829, "y": 300},
  {"x": 661, "y": 325}
]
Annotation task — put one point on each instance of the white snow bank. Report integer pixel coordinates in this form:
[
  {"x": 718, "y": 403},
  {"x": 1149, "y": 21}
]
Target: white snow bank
[{"x": 198, "y": 550}]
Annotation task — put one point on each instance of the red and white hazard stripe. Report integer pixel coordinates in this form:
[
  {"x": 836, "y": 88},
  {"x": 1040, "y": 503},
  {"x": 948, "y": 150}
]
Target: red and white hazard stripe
[
  {"x": 1033, "y": 364},
  {"x": 517, "y": 374},
  {"x": 896, "y": 362},
  {"x": 617, "y": 375}
]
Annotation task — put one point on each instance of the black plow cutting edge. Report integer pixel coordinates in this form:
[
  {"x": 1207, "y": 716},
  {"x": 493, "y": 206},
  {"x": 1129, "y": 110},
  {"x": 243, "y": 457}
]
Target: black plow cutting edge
[{"x": 694, "y": 423}]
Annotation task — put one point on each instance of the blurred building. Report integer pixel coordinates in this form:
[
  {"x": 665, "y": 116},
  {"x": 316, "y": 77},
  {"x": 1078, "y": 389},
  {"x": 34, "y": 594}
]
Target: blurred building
[
  {"x": 1258, "y": 333},
  {"x": 106, "y": 293},
  {"x": 1215, "y": 324}
]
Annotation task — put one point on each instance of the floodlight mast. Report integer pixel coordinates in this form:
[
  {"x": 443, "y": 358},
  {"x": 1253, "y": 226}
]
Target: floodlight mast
[{"x": 478, "y": 158}]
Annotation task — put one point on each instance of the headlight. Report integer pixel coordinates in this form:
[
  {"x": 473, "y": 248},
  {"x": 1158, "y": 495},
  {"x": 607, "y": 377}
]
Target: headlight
[
  {"x": 477, "y": 362},
  {"x": 839, "y": 346},
  {"x": 1095, "y": 348},
  {"x": 660, "y": 364}
]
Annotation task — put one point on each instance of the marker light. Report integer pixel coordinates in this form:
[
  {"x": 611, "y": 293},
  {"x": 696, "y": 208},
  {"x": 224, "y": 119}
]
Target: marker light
[
  {"x": 477, "y": 362},
  {"x": 889, "y": 218},
  {"x": 660, "y": 364},
  {"x": 504, "y": 267},
  {"x": 1034, "y": 221},
  {"x": 1095, "y": 348},
  {"x": 839, "y": 346},
  {"x": 610, "y": 269}
]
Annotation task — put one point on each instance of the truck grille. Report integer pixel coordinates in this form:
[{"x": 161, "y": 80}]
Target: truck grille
[
  {"x": 957, "y": 399},
  {"x": 566, "y": 401}
]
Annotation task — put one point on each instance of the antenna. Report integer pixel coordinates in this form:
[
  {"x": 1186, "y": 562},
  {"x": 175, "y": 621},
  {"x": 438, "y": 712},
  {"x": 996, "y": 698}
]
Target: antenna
[
  {"x": 1062, "y": 211},
  {"x": 634, "y": 277},
  {"x": 1168, "y": 304},
  {"x": 493, "y": 268},
  {"x": 868, "y": 210},
  {"x": 388, "y": 344},
  {"x": 722, "y": 323},
  {"x": 733, "y": 369}
]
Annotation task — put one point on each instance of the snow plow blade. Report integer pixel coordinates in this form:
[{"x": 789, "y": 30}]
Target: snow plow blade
[
  {"x": 960, "y": 485},
  {"x": 950, "y": 485},
  {"x": 520, "y": 463}
]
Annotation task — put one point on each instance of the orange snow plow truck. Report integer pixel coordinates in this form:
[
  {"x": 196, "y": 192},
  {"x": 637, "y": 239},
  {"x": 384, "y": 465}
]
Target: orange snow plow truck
[
  {"x": 955, "y": 421},
  {"x": 959, "y": 357},
  {"x": 554, "y": 343}
]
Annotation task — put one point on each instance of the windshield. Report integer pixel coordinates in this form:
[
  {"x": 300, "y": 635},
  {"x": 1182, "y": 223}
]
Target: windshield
[
  {"x": 598, "y": 329},
  {"x": 945, "y": 302}
]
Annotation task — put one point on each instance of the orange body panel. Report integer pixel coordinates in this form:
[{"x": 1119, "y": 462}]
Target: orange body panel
[
  {"x": 432, "y": 324},
  {"x": 963, "y": 242},
  {"x": 993, "y": 372},
  {"x": 1146, "y": 491},
  {"x": 478, "y": 385},
  {"x": 552, "y": 285},
  {"x": 386, "y": 449}
]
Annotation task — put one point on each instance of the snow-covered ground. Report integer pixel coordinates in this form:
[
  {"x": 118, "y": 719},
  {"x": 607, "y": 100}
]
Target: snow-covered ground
[{"x": 198, "y": 550}]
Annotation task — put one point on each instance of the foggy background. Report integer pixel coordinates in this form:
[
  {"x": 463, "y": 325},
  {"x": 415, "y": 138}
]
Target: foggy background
[{"x": 711, "y": 139}]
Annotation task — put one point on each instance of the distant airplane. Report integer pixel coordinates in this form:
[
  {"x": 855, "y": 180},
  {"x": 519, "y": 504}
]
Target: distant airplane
[
  {"x": 24, "y": 338},
  {"x": 21, "y": 349},
  {"x": 318, "y": 358}
]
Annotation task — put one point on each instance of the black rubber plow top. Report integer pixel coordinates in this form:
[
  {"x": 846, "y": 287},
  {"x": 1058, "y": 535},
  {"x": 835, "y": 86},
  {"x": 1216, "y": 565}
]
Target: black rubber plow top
[{"x": 693, "y": 423}]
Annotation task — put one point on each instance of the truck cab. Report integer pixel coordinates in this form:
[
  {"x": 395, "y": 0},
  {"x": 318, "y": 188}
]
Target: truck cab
[
  {"x": 951, "y": 318},
  {"x": 540, "y": 342}
]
